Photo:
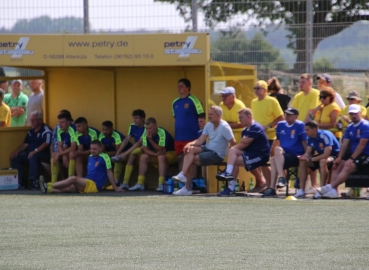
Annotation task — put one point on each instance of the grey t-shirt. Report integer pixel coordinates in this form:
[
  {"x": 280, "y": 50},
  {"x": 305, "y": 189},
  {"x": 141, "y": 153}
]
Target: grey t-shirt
[
  {"x": 218, "y": 138},
  {"x": 35, "y": 103}
]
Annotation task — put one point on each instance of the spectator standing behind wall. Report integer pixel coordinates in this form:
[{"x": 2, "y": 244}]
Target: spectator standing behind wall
[
  {"x": 230, "y": 106},
  {"x": 17, "y": 101},
  {"x": 36, "y": 99},
  {"x": 5, "y": 114}
]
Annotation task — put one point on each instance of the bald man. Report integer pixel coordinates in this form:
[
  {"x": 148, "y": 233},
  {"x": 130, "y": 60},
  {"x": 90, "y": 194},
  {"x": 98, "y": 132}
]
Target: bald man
[{"x": 36, "y": 99}]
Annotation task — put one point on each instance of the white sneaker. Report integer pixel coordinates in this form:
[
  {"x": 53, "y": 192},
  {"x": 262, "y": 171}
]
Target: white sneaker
[
  {"x": 332, "y": 194},
  {"x": 350, "y": 193},
  {"x": 300, "y": 194},
  {"x": 183, "y": 192},
  {"x": 160, "y": 187},
  {"x": 124, "y": 186},
  {"x": 311, "y": 190},
  {"x": 137, "y": 187},
  {"x": 324, "y": 190},
  {"x": 317, "y": 196},
  {"x": 115, "y": 159},
  {"x": 180, "y": 178}
]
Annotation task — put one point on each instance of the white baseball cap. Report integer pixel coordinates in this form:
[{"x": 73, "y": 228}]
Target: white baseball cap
[
  {"x": 228, "y": 90},
  {"x": 354, "y": 108},
  {"x": 14, "y": 81}
]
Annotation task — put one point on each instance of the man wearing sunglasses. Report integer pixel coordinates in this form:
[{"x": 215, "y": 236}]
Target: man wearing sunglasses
[
  {"x": 352, "y": 98},
  {"x": 357, "y": 159}
]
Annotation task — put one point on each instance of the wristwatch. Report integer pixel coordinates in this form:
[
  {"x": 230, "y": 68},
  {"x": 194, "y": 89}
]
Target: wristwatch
[{"x": 36, "y": 150}]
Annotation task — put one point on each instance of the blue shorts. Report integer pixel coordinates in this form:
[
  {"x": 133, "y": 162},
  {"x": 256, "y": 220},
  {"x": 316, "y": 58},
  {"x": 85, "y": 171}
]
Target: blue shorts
[{"x": 254, "y": 160}]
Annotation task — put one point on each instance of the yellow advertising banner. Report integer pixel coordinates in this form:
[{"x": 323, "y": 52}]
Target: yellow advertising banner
[{"x": 105, "y": 50}]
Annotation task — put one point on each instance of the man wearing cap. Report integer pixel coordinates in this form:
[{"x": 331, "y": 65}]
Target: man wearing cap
[
  {"x": 352, "y": 98},
  {"x": 17, "y": 101},
  {"x": 358, "y": 158},
  {"x": 230, "y": 106},
  {"x": 268, "y": 113},
  {"x": 326, "y": 147},
  {"x": 5, "y": 113},
  {"x": 36, "y": 99},
  {"x": 290, "y": 143},
  {"x": 326, "y": 80}
]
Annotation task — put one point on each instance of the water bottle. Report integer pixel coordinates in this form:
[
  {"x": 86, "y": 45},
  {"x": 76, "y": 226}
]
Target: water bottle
[
  {"x": 339, "y": 123},
  {"x": 170, "y": 186},
  {"x": 176, "y": 186},
  {"x": 251, "y": 184},
  {"x": 243, "y": 187},
  {"x": 223, "y": 186},
  {"x": 237, "y": 187},
  {"x": 358, "y": 192}
]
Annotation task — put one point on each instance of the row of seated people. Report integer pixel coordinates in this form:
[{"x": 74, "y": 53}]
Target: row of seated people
[{"x": 70, "y": 147}]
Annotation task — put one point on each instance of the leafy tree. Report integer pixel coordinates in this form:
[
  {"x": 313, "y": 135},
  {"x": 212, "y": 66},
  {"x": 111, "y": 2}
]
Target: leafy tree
[
  {"x": 256, "y": 51},
  {"x": 337, "y": 14},
  {"x": 322, "y": 64}
]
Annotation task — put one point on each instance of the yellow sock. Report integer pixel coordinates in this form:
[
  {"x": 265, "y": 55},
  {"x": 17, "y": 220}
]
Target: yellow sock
[
  {"x": 127, "y": 173},
  {"x": 161, "y": 180},
  {"x": 49, "y": 187},
  {"x": 118, "y": 168},
  {"x": 141, "y": 180},
  {"x": 54, "y": 171},
  {"x": 72, "y": 167}
]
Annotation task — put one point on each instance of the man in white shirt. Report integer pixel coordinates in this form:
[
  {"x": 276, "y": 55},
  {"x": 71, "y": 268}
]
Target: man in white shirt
[{"x": 326, "y": 80}]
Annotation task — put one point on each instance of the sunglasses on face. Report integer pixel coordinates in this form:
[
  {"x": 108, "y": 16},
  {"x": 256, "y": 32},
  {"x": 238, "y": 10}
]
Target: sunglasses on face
[
  {"x": 322, "y": 97},
  {"x": 351, "y": 99},
  {"x": 257, "y": 88},
  {"x": 225, "y": 95}
]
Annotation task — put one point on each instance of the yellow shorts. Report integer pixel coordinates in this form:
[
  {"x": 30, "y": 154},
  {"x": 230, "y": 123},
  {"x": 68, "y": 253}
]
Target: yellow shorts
[
  {"x": 137, "y": 151},
  {"x": 171, "y": 158},
  {"x": 90, "y": 187}
]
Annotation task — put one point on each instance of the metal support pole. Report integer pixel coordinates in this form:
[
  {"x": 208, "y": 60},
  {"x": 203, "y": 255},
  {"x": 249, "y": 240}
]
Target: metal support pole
[
  {"x": 86, "y": 29},
  {"x": 309, "y": 36},
  {"x": 194, "y": 15}
]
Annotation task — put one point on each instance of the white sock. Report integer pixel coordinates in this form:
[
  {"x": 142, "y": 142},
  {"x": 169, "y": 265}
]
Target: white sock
[
  {"x": 232, "y": 185},
  {"x": 117, "y": 181},
  {"x": 301, "y": 191},
  {"x": 229, "y": 168},
  {"x": 329, "y": 187},
  {"x": 180, "y": 173}
]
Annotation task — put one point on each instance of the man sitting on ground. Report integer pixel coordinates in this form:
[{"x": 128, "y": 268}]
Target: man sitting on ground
[
  {"x": 252, "y": 152},
  {"x": 358, "y": 134},
  {"x": 157, "y": 148},
  {"x": 325, "y": 144},
  {"x": 66, "y": 144},
  {"x": 135, "y": 131},
  {"x": 111, "y": 140},
  {"x": 290, "y": 143},
  {"x": 98, "y": 169},
  {"x": 84, "y": 136},
  {"x": 220, "y": 136},
  {"x": 34, "y": 150}
]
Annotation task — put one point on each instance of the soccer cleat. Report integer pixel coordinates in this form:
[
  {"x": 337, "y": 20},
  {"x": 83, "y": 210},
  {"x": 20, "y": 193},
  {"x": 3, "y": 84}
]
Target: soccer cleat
[
  {"x": 137, "y": 187},
  {"x": 227, "y": 193},
  {"x": 160, "y": 188},
  {"x": 115, "y": 159},
  {"x": 350, "y": 193},
  {"x": 259, "y": 189},
  {"x": 281, "y": 182},
  {"x": 183, "y": 192},
  {"x": 42, "y": 184},
  {"x": 269, "y": 192},
  {"x": 179, "y": 178},
  {"x": 124, "y": 186},
  {"x": 317, "y": 196},
  {"x": 332, "y": 194},
  {"x": 224, "y": 176},
  {"x": 300, "y": 194}
]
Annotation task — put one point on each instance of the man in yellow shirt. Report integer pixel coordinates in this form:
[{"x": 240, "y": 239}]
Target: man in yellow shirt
[
  {"x": 267, "y": 112},
  {"x": 352, "y": 98},
  {"x": 5, "y": 114},
  {"x": 307, "y": 100},
  {"x": 230, "y": 106}
]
